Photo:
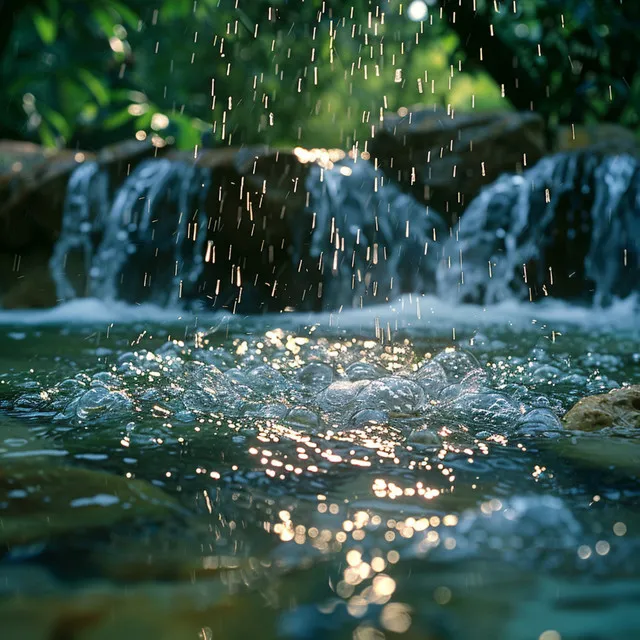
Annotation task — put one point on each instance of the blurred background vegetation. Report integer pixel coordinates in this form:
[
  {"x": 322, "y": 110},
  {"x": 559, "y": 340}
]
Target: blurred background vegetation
[{"x": 310, "y": 72}]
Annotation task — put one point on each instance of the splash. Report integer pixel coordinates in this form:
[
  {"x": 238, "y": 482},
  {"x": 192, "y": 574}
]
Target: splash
[{"x": 567, "y": 228}]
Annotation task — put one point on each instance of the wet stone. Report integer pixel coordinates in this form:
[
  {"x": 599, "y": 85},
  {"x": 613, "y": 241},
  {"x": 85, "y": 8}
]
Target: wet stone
[{"x": 618, "y": 408}]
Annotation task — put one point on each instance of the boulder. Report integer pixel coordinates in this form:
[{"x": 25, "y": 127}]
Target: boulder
[
  {"x": 618, "y": 408},
  {"x": 606, "y": 137},
  {"x": 444, "y": 159}
]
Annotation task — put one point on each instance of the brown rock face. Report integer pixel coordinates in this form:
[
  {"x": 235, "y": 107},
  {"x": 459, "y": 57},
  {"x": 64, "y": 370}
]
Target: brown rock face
[
  {"x": 254, "y": 198},
  {"x": 618, "y": 408},
  {"x": 444, "y": 160}
]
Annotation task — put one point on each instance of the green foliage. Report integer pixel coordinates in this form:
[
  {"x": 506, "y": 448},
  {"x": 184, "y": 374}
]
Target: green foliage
[
  {"x": 576, "y": 59},
  {"x": 283, "y": 72}
]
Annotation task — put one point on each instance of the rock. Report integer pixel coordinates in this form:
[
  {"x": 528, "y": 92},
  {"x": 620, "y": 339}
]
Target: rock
[
  {"x": 445, "y": 160},
  {"x": 618, "y": 408},
  {"x": 26, "y": 282},
  {"x": 605, "y": 137},
  {"x": 255, "y": 194},
  {"x": 603, "y": 452},
  {"x": 204, "y": 610},
  {"x": 32, "y": 190},
  {"x": 37, "y": 503}
]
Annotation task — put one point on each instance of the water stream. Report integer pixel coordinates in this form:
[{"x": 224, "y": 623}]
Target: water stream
[{"x": 399, "y": 470}]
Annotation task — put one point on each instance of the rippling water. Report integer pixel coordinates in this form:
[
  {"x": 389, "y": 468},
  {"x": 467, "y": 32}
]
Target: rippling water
[{"x": 366, "y": 475}]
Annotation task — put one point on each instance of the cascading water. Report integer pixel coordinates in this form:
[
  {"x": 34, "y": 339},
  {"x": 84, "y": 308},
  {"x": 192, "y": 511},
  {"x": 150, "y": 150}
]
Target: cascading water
[
  {"x": 371, "y": 241},
  {"x": 569, "y": 227},
  {"x": 361, "y": 240},
  {"x": 147, "y": 228},
  {"x": 85, "y": 208}
]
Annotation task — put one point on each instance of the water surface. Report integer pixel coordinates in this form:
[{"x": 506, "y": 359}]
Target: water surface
[{"x": 398, "y": 471}]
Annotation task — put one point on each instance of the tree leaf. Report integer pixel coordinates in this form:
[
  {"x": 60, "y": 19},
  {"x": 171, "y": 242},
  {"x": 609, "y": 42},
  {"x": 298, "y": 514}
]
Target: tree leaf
[
  {"x": 117, "y": 119},
  {"x": 99, "y": 91},
  {"x": 127, "y": 15},
  {"x": 56, "y": 120},
  {"x": 46, "y": 27}
]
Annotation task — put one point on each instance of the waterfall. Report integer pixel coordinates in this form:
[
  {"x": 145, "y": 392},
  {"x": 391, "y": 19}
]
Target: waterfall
[
  {"x": 85, "y": 206},
  {"x": 568, "y": 227},
  {"x": 360, "y": 239},
  {"x": 370, "y": 241},
  {"x": 150, "y": 233}
]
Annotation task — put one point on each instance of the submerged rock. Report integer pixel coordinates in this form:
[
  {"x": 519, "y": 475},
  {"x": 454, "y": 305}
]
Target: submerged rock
[
  {"x": 604, "y": 452},
  {"x": 618, "y": 408},
  {"x": 184, "y": 611},
  {"x": 38, "y": 503}
]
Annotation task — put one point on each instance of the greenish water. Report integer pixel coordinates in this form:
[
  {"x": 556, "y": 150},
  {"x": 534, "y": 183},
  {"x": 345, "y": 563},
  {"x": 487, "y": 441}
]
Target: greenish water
[{"x": 310, "y": 477}]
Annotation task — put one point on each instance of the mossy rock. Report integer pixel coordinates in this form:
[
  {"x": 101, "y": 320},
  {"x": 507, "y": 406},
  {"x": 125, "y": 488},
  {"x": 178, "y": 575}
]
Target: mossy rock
[{"x": 38, "y": 503}]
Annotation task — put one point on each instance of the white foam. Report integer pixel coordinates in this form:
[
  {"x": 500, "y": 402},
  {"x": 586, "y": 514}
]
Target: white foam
[
  {"x": 407, "y": 313},
  {"x": 91, "y": 311},
  {"x": 430, "y": 312}
]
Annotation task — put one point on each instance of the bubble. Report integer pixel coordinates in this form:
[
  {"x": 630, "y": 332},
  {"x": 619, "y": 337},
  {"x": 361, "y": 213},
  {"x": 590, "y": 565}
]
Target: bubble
[
  {"x": 303, "y": 418},
  {"x": 316, "y": 375},
  {"x": 99, "y": 401},
  {"x": 364, "y": 371},
  {"x": 369, "y": 416},
  {"x": 539, "y": 420},
  {"x": 392, "y": 394},
  {"x": 265, "y": 378},
  {"x": 457, "y": 364},
  {"x": 340, "y": 393}
]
